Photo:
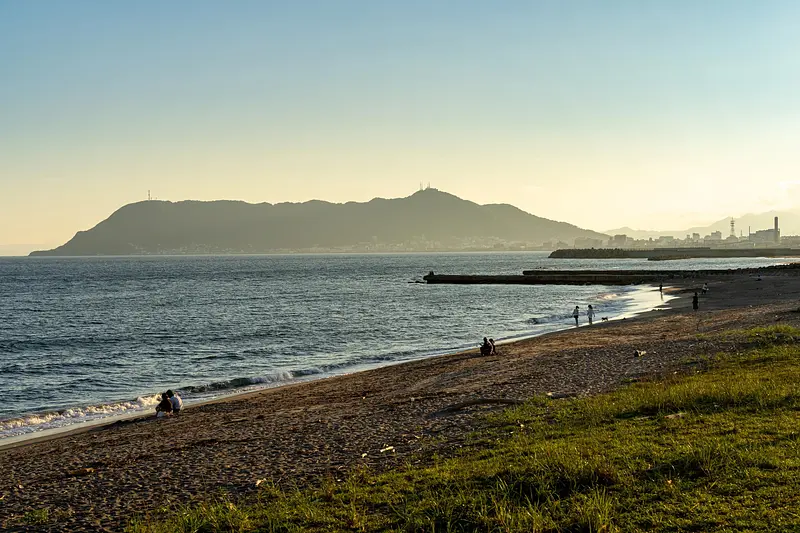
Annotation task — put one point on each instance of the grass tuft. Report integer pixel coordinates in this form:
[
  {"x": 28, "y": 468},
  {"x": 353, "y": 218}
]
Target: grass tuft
[{"x": 210, "y": 517}]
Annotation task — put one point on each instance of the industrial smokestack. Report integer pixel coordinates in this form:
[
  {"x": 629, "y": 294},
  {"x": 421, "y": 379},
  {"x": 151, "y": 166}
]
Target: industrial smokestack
[{"x": 777, "y": 232}]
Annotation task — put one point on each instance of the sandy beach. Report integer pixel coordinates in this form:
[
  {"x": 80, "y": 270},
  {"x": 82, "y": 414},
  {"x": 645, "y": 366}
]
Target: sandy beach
[{"x": 98, "y": 479}]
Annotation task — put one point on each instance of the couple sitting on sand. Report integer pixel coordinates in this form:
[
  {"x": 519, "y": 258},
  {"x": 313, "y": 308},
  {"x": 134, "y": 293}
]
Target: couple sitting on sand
[
  {"x": 170, "y": 404},
  {"x": 487, "y": 348}
]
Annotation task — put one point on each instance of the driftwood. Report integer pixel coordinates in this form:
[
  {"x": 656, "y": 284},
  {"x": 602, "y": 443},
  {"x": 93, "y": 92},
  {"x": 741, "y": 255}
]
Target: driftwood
[{"x": 477, "y": 401}]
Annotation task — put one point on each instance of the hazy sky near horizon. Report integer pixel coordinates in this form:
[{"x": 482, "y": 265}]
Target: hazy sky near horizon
[{"x": 656, "y": 115}]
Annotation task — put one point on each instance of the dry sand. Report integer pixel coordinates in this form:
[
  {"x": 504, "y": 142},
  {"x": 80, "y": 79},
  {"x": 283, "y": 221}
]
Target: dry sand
[{"x": 98, "y": 479}]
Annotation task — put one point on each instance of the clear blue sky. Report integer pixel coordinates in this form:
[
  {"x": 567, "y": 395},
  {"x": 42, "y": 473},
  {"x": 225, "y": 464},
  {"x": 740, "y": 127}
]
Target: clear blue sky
[{"x": 649, "y": 114}]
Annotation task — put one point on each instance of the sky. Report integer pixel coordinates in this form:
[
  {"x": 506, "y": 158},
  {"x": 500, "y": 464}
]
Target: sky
[{"x": 654, "y": 115}]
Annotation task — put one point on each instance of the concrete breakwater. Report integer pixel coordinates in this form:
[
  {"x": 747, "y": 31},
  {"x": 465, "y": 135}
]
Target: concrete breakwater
[{"x": 599, "y": 277}]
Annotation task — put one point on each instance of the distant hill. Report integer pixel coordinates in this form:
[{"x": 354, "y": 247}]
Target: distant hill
[
  {"x": 429, "y": 220},
  {"x": 789, "y": 222}
]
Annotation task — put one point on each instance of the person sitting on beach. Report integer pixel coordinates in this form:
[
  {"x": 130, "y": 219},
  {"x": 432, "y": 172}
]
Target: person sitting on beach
[
  {"x": 486, "y": 347},
  {"x": 164, "y": 408},
  {"x": 494, "y": 350},
  {"x": 175, "y": 400}
]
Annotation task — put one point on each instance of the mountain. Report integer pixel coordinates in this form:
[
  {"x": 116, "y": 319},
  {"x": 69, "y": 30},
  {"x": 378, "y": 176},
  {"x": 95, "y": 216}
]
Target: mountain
[
  {"x": 789, "y": 222},
  {"x": 428, "y": 220}
]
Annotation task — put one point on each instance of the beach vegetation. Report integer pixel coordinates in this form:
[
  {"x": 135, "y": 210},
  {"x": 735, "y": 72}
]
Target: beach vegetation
[
  {"x": 715, "y": 448},
  {"x": 221, "y": 514},
  {"x": 37, "y": 516}
]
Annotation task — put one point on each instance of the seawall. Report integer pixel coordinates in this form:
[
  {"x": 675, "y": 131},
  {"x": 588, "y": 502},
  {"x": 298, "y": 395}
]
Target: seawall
[{"x": 601, "y": 277}]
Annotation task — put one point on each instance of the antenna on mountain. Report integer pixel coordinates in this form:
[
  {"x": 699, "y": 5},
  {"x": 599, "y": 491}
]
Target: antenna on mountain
[
  {"x": 429, "y": 185},
  {"x": 148, "y": 195}
]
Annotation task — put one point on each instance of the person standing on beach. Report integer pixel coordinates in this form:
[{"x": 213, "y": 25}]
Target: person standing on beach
[
  {"x": 590, "y": 314},
  {"x": 695, "y": 301},
  {"x": 575, "y": 314}
]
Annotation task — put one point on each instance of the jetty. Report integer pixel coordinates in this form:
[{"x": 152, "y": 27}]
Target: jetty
[{"x": 602, "y": 277}]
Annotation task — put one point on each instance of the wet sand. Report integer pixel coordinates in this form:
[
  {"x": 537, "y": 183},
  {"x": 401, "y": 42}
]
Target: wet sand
[{"x": 98, "y": 479}]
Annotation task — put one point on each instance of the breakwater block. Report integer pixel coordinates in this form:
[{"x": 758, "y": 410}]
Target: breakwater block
[{"x": 600, "y": 277}]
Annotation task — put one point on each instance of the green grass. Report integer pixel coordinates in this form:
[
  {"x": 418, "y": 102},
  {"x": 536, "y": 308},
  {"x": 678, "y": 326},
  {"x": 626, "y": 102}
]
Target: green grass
[
  {"x": 37, "y": 517},
  {"x": 717, "y": 450}
]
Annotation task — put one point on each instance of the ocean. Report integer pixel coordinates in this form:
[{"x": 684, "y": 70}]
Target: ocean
[{"x": 82, "y": 339}]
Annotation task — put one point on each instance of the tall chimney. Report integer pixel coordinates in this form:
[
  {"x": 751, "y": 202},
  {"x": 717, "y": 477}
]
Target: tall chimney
[{"x": 777, "y": 232}]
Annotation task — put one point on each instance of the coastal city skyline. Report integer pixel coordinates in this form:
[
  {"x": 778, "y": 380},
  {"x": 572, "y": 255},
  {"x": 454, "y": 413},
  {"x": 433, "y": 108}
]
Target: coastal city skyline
[{"x": 601, "y": 116}]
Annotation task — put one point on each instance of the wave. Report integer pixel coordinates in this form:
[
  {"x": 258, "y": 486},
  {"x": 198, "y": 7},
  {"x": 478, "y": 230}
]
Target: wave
[
  {"x": 23, "y": 345},
  {"x": 536, "y": 320},
  {"x": 609, "y": 296},
  {"x": 605, "y": 310},
  {"x": 551, "y": 319},
  {"x": 244, "y": 382},
  {"x": 53, "y": 419},
  {"x": 223, "y": 356}
]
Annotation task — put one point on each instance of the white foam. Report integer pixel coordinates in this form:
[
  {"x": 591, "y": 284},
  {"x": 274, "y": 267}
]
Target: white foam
[{"x": 57, "y": 419}]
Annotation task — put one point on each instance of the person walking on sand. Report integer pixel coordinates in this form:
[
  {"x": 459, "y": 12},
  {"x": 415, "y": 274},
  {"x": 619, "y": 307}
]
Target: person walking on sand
[
  {"x": 695, "y": 301},
  {"x": 590, "y": 314},
  {"x": 705, "y": 288},
  {"x": 575, "y": 314}
]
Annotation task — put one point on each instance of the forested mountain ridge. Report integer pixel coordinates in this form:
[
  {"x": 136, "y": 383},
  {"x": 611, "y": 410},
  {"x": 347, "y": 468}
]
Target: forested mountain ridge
[{"x": 428, "y": 219}]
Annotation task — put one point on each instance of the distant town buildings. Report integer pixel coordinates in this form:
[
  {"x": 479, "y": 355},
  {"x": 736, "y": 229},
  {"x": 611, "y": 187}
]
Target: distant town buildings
[
  {"x": 586, "y": 242},
  {"x": 771, "y": 236},
  {"x": 764, "y": 238}
]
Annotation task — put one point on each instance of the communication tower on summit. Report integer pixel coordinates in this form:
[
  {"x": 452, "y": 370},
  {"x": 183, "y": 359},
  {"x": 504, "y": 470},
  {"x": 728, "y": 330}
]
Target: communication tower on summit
[{"x": 733, "y": 228}]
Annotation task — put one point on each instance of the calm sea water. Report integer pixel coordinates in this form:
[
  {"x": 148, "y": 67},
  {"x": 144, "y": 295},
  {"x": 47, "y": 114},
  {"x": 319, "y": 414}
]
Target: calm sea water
[{"x": 83, "y": 338}]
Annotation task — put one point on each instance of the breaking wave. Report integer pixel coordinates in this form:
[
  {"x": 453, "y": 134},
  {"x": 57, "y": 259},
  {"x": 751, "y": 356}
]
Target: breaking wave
[
  {"x": 56, "y": 419},
  {"x": 241, "y": 383}
]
